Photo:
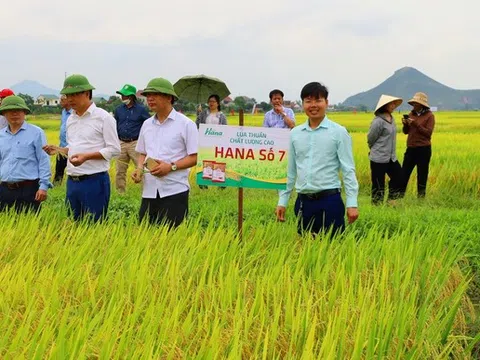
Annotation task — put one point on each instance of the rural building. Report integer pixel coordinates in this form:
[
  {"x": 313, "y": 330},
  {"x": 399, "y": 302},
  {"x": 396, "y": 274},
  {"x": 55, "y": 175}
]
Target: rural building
[
  {"x": 47, "y": 100},
  {"x": 227, "y": 100}
]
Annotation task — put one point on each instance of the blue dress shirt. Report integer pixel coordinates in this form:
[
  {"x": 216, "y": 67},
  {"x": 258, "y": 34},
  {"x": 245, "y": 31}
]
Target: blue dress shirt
[
  {"x": 130, "y": 120},
  {"x": 63, "y": 127},
  {"x": 274, "y": 120},
  {"x": 22, "y": 156}
]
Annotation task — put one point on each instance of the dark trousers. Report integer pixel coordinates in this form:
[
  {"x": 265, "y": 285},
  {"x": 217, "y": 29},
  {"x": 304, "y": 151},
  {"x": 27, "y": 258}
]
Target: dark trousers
[
  {"x": 169, "y": 210},
  {"x": 419, "y": 157},
  {"x": 395, "y": 185},
  {"x": 21, "y": 199},
  {"x": 320, "y": 215},
  {"x": 89, "y": 197},
  {"x": 60, "y": 166}
]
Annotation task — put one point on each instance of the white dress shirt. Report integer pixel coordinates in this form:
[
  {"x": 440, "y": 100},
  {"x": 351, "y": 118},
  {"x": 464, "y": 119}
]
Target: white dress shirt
[
  {"x": 94, "y": 131},
  {"x": 170, "y": 141},
  {"x": 3, "y": 121}
]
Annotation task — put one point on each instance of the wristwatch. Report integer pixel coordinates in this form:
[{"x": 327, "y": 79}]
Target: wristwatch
[{"x": 174, "y": 167}]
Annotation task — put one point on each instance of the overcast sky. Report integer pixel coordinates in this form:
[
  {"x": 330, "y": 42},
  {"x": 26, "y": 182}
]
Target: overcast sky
[{"x": 254, "y": 46}]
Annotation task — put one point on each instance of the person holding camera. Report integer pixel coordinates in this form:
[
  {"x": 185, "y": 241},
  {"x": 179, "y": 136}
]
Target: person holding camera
[
  {"x": 382, "y": 142},
  {"x": 418, "y": 125}
]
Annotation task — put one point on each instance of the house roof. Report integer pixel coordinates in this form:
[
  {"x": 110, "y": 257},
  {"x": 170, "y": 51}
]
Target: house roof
[{"x": 49, "y": 96}]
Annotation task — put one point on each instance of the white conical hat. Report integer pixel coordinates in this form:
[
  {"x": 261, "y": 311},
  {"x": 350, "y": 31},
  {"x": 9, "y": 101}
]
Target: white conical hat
[{"x": 385, "y": 99}]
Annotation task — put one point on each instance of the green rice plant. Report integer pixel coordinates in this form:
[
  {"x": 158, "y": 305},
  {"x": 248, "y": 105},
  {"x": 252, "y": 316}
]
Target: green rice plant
[{"x": 401, "y": 283}]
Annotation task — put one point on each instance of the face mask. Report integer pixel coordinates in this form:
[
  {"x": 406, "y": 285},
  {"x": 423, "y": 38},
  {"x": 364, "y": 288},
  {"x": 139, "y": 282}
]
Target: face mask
[{"x": 126, "y": 102}]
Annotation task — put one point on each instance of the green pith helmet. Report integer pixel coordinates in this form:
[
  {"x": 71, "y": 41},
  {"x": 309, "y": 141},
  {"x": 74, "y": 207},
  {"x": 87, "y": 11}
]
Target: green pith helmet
[
  {"x": 13, "y": 102},
  {"x": 128, "y": 90},
  {"x": 76, "y": 84},
  {"x": 159, "y": 85}
]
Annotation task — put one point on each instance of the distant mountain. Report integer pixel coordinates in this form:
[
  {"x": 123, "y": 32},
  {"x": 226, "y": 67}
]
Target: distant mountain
[
  {"x": 407, "y": 81},
  {"x": 33, "y": 88}
]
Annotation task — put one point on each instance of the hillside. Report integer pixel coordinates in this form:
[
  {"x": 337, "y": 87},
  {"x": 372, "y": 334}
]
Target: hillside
[
  {"x": 407, "y": 81},
  {"x": 33, "y": 88}
]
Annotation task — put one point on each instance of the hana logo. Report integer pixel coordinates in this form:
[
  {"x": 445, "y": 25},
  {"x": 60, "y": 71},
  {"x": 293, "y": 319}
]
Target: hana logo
[{"x": 211, "y": 132}]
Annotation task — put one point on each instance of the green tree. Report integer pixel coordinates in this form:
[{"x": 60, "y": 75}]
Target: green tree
[
  {"x": 265, "y": 106},
  {"x": 240, "y": 102},
  {"x": 114, "y": 101},
  {"x": 28, "y": 99}
]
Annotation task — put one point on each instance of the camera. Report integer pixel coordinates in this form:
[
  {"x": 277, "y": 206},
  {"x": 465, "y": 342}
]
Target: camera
[{"x": 405, "y": 116}]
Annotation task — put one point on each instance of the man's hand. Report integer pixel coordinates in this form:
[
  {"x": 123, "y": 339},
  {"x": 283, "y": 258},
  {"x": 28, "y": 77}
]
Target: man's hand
[
  {"x": 410, "y": 121},
  {"x": 50, "y": 149},
  {"x": 137, "y": 176},
  {"x": 278, "y": 109},
  {"x": 280, "y": 213},
  {"x": 78, "y": 159},
  {"x": 352, "y": 214},
  {"x": 41, "y": 195},
  {"x": 161, "y": 169}
]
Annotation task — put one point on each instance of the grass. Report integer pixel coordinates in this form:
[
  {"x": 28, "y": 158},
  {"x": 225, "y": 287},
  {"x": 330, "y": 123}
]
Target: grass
[{"x": 401, "y": 283}]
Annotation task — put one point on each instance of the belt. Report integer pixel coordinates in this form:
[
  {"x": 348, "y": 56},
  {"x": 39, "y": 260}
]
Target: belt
[
  {"x": 319, "y": 195},
  {"x": 19, "y": 184},
  {"x": 127, "y": 140},
  {"x": 85, "y": 177}
]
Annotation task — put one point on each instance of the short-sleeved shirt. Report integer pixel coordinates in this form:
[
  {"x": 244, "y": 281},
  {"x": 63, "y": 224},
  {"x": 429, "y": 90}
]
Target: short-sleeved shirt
[
  {"x": 130, "y": 120},
  {"x": 274, "y": 120},
  {"x": 169, "y": 141}
]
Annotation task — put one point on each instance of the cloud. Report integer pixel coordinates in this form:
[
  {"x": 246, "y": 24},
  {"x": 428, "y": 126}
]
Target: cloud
[{"x": 254, "y": 46}]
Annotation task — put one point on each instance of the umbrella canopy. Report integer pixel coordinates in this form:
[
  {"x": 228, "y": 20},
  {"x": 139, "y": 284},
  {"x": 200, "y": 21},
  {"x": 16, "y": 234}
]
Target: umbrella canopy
[{"x": 198, "y": 88}]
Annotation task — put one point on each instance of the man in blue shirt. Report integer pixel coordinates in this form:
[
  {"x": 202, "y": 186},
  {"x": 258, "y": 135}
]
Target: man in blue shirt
[
  {"x": 319, "y": 149},
  {"x": 24, "y": 166},
  {"x": 130, "y": 117},
  {"x": 61, "y": 162},
  {"x": 279, "y": 116}
]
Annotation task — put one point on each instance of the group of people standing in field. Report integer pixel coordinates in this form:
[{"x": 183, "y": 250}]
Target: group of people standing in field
[
  {"x": 164, "y": 147},
  {"x": 418, "y": 125}
]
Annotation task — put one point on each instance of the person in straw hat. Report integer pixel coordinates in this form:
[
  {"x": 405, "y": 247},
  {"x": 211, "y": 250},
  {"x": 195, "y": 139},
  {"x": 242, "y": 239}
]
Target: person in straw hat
[
  {"x": 24, "y": 166},
  {"x": 92, "y": 141},
  {"x": 381, "y": 140},
  {"x": 419, "y": 127}
]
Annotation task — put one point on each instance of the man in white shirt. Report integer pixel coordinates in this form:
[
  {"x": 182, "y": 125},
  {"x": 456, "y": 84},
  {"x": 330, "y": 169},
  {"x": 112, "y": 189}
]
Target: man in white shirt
[
  {"x": 170, "y": 140},
  {"x": 92, "y": 141}
]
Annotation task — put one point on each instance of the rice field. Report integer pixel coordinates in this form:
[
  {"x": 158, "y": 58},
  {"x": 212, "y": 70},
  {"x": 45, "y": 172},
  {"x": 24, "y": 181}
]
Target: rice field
[{"x": 403, "y": 282}]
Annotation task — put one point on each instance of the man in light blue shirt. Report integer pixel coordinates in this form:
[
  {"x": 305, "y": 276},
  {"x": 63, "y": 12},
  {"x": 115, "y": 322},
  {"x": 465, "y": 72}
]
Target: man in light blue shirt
[
  {"x": 319, "y": 149},
  {"x": 279, "y": 116},
  {"x": 24, "y": 166},
  {"x": 61, "y": 162}
]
